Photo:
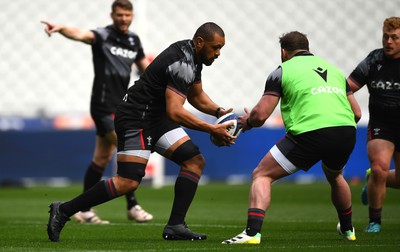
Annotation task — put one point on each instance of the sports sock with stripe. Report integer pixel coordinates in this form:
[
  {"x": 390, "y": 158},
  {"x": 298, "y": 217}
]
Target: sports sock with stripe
[
  {"x": 101, "y": 192},
  {"x": 92, "y": 176},
  {"x": 185, "y": 189},
  {"x": 345, "y": 219},
  {"x": 255, "y": 218}
]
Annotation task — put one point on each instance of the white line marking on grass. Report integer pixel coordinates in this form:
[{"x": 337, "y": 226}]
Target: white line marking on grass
[{"x": 253, "y": 247}]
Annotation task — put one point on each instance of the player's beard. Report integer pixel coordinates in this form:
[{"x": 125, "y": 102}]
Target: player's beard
[
  {"x": 208, "y": 62},
  {"x": 203, "y": 57}
]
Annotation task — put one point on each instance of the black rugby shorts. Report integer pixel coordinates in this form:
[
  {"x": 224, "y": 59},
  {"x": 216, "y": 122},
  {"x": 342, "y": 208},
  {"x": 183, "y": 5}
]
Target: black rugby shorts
[
  {"x": 138, "y": 135},
  {"x": 332, "y": 146},
  {"x": 380, "y": 130},
  {"x": 103, "y": 118},
  {"x": 104, "y": 124}
]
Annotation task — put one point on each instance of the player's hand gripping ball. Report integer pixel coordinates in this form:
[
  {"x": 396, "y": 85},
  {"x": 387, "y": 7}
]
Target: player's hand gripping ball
[{"x": 234, "y": 130}]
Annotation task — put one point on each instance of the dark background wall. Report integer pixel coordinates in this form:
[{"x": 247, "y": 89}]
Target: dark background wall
[{"x": 41, "y": 154}]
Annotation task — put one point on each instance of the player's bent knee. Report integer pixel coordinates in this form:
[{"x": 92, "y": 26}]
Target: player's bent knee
[
  {"x": 185, "y": 151},
  {"x": 124, "y": 185},
  {"x": 130, "y": 170},
  {"x": 196, "y": 164}
]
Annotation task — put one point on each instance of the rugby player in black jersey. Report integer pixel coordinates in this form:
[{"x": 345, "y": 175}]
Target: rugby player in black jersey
[
  {"x": 115, "y": 51},
  {"x": 380, "y": 72},
  {"x": 149, "y": 119}
]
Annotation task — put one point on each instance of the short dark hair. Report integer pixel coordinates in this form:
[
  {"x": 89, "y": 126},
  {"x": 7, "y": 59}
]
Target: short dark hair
[
  {"x": 124, "y": 4},
  {"x": 207, "y": 31},
  {"x": 294, "y": 41}
]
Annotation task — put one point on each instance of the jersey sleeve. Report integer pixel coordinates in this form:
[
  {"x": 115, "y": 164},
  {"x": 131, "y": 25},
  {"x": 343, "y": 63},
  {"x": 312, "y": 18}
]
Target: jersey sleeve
[
  {"x": 348, "y": 89},
  {"x": 181, "y": 76},
  {"x": 360, "y": 73},
  {"x": 273, "y": 85},
  {"x": 140, "y": 51},
  {"x": 100, "y": 36}
]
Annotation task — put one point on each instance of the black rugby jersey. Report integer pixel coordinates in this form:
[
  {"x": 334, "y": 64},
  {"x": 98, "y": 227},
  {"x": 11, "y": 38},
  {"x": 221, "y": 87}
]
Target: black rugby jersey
[
  {"x": 113, "y": 56},
  {"x": 175, "y": 68},
  {"x": 382, "y": 77}
]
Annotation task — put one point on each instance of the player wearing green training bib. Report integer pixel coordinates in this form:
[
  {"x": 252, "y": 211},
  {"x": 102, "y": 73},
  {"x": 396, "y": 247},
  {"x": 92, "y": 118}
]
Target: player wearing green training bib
[
  {"x": 320, "y": 114},
  {"x": 313, "y": 94}
]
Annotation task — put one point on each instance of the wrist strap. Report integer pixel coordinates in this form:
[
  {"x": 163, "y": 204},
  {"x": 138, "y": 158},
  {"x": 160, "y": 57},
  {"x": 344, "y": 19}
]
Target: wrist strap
[
  {"x": 248, "y": 123},
  {"x": 217, "y": 111}
]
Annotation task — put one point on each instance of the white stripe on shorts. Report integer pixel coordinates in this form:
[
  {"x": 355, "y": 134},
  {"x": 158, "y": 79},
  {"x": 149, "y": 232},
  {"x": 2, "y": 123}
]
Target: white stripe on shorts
[
  {"x": 137, "y": 153},
  {"x": 168, "y": 139},
  {"x": 282, "y": 160}
]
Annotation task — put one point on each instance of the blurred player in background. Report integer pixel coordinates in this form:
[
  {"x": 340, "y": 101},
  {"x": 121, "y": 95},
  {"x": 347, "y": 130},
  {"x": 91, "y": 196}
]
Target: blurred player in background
[
  {"x": 115, "y": 51},
  {"x": 320, "y": 114},
  {"x": 380, "y": 71},
  {"x": 149, "y": 119}
]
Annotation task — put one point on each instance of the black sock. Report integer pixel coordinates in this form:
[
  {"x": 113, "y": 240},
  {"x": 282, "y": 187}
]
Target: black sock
[
  {"x": 255, "y": 218},
  {"x": 185, "y": 189},
  {"x": 130, "y": 200},
  {"x": 101, "y": 192},
  {"x": 375, "y": 215},
  {"x": 345, "y": 219},
  {"x": 92, "y": 176}
]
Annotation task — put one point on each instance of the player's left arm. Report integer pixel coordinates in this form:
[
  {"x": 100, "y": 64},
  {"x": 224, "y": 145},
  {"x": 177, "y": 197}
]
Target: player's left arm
[
  {"x": 142, "y": 64},
  {"x": 202, "y": 102}
]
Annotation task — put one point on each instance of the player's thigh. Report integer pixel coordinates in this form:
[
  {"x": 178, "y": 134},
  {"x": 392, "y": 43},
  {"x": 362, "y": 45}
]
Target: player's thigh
[
  {"x": 271, "y": 167},
  {"x": 132, "y": 157},
  {"x": 383, "y": 141},
  {"x": 380, "y": 152},
  {"x": 103, "y": 151},
  {"x": 177, "y": 146}
]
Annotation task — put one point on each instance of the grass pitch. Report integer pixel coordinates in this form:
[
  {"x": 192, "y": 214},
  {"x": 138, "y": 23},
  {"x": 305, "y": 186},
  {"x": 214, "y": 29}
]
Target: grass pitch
[{"x": 301, "y": 218}]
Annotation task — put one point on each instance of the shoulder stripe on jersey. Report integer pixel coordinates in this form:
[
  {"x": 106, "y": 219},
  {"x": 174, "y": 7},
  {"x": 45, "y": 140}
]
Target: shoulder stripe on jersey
[{"x": 176, "y": 91}]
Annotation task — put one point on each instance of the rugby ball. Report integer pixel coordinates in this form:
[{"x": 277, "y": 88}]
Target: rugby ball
[{"x": 234, "y": 130}]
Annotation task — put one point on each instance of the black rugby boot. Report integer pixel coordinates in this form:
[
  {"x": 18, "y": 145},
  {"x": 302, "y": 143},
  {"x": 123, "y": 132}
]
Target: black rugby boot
[
  {"x": 181, "y": 232},
  {"x": 56, "y": 222}
]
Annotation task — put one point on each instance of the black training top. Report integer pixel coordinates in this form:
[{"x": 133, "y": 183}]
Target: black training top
[
  {"x": 175, "y": 68},
  {"x": 113, "y": 56},
  {"x": 382, "y": 77}
]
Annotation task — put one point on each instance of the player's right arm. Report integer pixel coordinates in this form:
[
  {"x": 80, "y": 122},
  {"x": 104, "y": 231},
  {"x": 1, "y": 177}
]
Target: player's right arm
[
  {"x": 177, "y": 113},
  {"x": 85, "y": 36},
  {"x": 353, "y": 84},
  {"x": 355, "y": 107},
  {"x": 359, "y": 77}
]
